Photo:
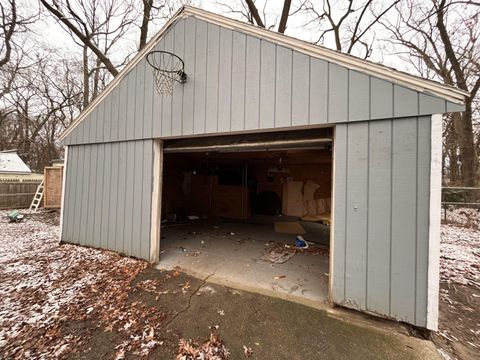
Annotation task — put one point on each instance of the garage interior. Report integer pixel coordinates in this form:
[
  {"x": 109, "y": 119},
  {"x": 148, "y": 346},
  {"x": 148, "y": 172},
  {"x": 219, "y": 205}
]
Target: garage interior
[{"x": 237, "y": 208}]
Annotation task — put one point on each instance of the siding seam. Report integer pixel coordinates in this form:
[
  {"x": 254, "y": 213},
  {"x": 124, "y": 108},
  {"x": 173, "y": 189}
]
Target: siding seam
[{"x": 346, "y": 217}]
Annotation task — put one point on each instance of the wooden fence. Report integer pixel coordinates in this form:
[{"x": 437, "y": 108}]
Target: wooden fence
[{"x": 16, "y": 194}]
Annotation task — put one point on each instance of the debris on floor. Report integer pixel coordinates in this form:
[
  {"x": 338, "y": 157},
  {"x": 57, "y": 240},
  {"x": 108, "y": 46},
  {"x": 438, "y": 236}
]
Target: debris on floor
[
  {"x": 211, "y": 349},
  {"x": 300, "y": 243},
  {"x": 278, "y": 255},
  {"x": 293, "y": 228},
  {"x": 247, "y": 352}
]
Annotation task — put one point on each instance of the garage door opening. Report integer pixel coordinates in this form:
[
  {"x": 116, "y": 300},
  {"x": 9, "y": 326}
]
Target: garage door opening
[{"x": 239, "y": 213}]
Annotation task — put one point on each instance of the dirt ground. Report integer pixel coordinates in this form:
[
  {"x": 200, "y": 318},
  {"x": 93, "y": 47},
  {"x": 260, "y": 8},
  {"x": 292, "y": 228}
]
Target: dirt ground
[{"x": 71, "y": 302}]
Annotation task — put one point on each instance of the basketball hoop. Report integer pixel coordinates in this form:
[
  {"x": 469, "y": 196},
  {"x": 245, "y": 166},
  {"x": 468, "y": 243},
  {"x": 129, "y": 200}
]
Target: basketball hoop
[{"x": 168, "y": 68}]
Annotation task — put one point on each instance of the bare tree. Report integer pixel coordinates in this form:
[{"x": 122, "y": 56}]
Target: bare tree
[
  {"x": 350, "y": 23},
  {"x": 249, "y": 11},
  {"x": 440, "y": 40}
]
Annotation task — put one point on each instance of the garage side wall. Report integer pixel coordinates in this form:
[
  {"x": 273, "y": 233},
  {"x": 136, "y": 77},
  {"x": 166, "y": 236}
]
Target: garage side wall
[
  {"x": 108, "y": 196},
  {"x": 381, "y": 217}
]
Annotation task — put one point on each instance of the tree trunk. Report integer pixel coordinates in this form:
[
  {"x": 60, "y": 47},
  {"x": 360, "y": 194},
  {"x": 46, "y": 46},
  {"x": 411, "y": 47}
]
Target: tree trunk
[
  {"x": 86, "y": 77},
  {"x": 462, "y": 123}
]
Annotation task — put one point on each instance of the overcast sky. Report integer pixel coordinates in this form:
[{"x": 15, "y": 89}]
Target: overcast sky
[{"x": 50, "y": 34}]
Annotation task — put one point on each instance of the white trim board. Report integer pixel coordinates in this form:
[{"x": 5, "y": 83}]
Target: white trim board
[
  {"x": 429, "y": 87},
  {"x": 156, "y": 201},
  {"x": 62, "y": 202},
  {"x": 434, "y": 227}
]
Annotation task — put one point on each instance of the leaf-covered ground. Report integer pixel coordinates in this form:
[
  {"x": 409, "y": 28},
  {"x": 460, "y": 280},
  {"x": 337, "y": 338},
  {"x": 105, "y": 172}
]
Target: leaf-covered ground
[{"x": 66, "y": 301}]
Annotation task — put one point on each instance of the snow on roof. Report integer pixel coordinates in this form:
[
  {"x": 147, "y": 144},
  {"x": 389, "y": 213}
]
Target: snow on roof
[{"x": 10, "y": 162}]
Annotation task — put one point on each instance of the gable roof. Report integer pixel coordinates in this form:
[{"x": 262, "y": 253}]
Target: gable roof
[
  {"x": 429, "y": 87},
  {"x": 10, "y": 162}
]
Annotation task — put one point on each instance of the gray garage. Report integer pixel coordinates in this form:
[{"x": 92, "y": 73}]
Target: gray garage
[{"x": 256, "y": 99}]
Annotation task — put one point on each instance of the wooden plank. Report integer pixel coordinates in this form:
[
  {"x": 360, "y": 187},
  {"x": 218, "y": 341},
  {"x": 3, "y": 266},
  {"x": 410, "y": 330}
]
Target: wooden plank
[
  {"x": 300, "y": 89},
  {"x": 157, "y": 104},
  {"x": 137, "y": 168},
  {"x": 212, "y": 77},
  {"x": 200, "y": 77},
  {"x": 238, "y": 81},
  {"x": 114, "y": 116},
  {"x": 107, "y": 119},
  {"x": 423, "y": 218},
  {"x": 167, "y": 41},
  {"x": 381, "y": 99},
  {"x": 148, "y": 102},
  {"x": 146, "y": 199},
  {"x": 99, "y": 190},
  {"x": 69, "y": 193},
  {"x": 130, "y": 126},
  {"x": 404, "y": 205},
  {"x": 431, "y": 105},
  {"x": 156, "y": 202},
  {"x": 337, "y": 93},
  {"x": 139, "y": 100},
  {"x": 129, "y": 198},
  {"x": 114, "y": 231},
  {"x": 84, "y": 191},
  {"x": 122, "y": 108},
  {"x": 106, "y": 224},
  {"x": 283, "y": 88},
  {"x": 90, "y": 130},
  {"x": 121, "y": 237},
  {"x": 405, "y": 101},
  {"x": 78, "y": 173},
  {"x": 92, "y": 197},
  {"x": 379, "y": 216},
  {"x": 357, "y": 215},
  {"x": 318, "y": 99},
  {"x": 189, "y": 86},
  {"x": 252, "y": 83},
  {"x": 267, "y": 84},
  {"x": 225, "y": 80},
  {"x": 339, "y": 217},
  {"x": 358, "y": 96},
  {"x": 177, "y": 97},
  {"x": 53, "y": 179}
]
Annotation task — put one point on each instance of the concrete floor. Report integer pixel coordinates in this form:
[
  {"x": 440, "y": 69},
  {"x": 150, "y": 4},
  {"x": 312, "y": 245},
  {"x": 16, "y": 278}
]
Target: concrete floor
[{"x": 229, "y": 254}]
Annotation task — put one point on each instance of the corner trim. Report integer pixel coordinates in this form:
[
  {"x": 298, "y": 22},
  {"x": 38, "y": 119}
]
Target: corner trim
[
  {"x": 434, "y": 223},
  {"x": 62, "y": 206}
]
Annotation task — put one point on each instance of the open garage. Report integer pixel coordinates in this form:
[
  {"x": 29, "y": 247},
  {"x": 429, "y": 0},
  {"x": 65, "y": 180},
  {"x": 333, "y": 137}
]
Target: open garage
[{"x": 259, "y": 139}]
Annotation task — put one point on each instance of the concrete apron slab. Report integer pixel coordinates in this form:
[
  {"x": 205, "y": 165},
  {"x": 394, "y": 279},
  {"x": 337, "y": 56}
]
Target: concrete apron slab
[{"x": 229, "y": 254}]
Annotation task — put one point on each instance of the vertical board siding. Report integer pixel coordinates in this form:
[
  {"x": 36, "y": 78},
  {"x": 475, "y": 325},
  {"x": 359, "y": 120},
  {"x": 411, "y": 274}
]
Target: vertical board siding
[
  {"x": 122, "y": 109},
  {"x": 225, "y": 80},
  {"x": 356, "y": 212},
  {"x": 177, "y": 101},
  {"x": 94, "y": 212},
  {"x": 211, "y": 91},
  {"x": 379, "y": 216},
  {"x": 358, "y": 96},
  {"x": 381, "y": 99},
  {"x": 283, "y": 87},
  {"x": 423, "y": 218},
  {"x": 167, "y": 45},
  {"x": 300, "y": 89},
  {"x": 200, "y": 77},
  {"x": 238, "y": 82},
  {"x": 252, "y": 84},
  {"x": 268, "y": 72},
  {"x": 189, "y": 86},
  {"x": 139, "y": 100},
  {"x": 337, "y": 93},
  {"x": 381, "y": 210},
  {"x": 318, "y": 98}
]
